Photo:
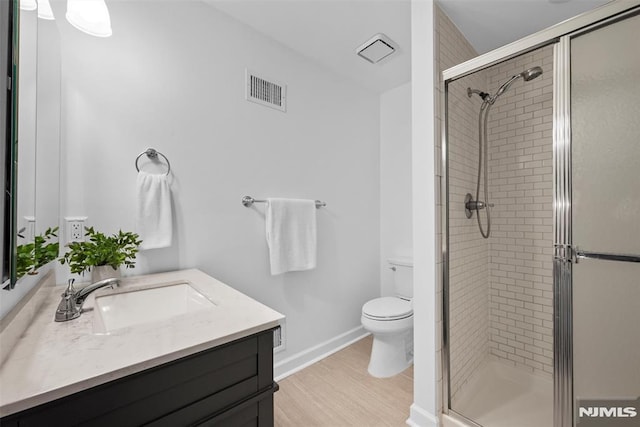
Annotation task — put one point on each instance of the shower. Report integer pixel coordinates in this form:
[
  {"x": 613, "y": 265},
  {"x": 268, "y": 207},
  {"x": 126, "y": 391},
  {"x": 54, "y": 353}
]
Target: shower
[
  {"x": 525, "y": 315},
  {"x": 487, "y": 101}
]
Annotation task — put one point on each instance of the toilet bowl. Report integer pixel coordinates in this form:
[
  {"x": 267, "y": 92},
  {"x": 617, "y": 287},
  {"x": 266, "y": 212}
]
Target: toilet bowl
[{"x": 390, "y": 321}]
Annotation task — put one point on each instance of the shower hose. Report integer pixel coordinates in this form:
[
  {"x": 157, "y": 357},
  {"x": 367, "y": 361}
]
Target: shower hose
[{"x": 482, "y": 166}]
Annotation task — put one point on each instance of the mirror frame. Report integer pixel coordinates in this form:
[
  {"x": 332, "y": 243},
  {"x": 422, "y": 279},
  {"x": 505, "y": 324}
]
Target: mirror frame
[{"x": 9, "y": 228}]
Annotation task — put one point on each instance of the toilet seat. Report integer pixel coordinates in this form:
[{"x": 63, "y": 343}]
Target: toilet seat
[{"x": 387, "y": 308}]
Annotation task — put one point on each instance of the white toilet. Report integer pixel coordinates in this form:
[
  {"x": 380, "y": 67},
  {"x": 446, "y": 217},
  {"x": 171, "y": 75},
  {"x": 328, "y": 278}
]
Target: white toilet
[{"x": 390, "y": 320}]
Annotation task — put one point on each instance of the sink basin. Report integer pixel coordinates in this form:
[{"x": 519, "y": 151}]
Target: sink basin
[{"x": 117, "y": 311}]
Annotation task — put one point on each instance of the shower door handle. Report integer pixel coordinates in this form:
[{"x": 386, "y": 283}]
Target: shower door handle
[{"x": 580, "y": 254}]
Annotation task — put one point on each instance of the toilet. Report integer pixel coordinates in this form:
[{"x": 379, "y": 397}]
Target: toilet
[{"x": 390, "y": 321}]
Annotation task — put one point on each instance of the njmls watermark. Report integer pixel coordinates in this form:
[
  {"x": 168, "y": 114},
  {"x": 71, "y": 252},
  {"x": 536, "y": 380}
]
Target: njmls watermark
[{"x": 608, "y": 413}]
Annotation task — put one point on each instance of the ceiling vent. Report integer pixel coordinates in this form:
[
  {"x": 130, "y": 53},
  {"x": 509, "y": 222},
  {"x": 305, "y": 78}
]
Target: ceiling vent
[
  {"x": 266, "y": 92},
  {"x": 377, "y": 48}
]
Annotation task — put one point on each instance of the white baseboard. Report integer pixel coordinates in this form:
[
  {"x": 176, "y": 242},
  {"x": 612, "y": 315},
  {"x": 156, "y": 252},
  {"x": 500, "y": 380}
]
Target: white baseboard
[
  {"x": 418, "y": 417},
  {"x": 293, "y": 364}
]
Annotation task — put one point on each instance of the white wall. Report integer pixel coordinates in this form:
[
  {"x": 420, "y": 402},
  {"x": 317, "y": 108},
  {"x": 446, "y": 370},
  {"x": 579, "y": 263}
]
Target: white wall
[
  {"x": 47, "y": 185},
  {"x": 426, "y": 387},
  {"x": 395, "y": 180},
  {"x": 172, "y": 77}
]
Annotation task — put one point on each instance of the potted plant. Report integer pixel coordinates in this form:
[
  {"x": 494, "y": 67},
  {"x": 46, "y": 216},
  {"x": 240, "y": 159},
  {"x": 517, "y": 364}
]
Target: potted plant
[{"x": 102, "y": 255}]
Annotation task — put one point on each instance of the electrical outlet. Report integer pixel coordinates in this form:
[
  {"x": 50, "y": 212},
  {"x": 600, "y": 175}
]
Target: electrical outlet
[
  {"x": 74, "y": 227},
  {"x": 75, "y": 231}
]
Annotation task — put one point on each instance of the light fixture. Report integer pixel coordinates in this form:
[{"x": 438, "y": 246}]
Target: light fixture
[
  {"x": 28, "y": 5},
  {"x": 44, "y": 10},
  {"x": 376, "y": 48},
  {"x": 90, "y": 16}
]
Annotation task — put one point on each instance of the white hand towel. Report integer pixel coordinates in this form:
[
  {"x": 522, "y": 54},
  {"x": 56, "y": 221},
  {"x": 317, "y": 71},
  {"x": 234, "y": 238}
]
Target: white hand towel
[
  {"x": 291, "y": 234},
  {"x": 153, "y": 213}
]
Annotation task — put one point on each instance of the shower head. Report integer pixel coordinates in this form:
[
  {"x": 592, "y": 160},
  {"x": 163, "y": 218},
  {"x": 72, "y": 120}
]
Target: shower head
[
  {"x": 527, "y": 75},
  {"x": 531, "y": 73}
]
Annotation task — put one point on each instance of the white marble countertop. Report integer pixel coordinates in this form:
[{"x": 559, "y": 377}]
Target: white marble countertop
[{"x": 53, "y": 360}]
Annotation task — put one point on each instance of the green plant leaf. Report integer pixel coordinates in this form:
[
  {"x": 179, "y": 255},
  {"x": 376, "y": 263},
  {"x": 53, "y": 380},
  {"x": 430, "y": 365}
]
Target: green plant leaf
[{"x": 99, "y": 249}]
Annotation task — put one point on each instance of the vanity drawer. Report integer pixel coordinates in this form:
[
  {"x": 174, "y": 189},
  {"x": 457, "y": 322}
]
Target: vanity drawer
[
  {"x": 257, "y": 414},
  {"x": 236, "y": 409},
  {"x": 201, "y": 386}
]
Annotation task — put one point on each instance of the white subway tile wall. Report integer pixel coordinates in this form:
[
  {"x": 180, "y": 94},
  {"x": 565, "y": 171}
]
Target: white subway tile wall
[
  {"x": 520, "y": 246},
  {"x": 500, "y": 288},
  {"x": 469, "y": 256}
]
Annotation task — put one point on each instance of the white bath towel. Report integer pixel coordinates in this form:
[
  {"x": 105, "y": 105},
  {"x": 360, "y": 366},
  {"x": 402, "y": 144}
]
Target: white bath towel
[
  {"x": 291, "y": 234},
  {"x": 153, "y": 213}
]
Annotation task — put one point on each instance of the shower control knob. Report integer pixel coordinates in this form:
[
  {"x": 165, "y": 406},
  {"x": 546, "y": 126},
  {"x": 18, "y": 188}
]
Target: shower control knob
[
  {"x": 479, "y": 205},
  {"x": 471, "y": 205}
]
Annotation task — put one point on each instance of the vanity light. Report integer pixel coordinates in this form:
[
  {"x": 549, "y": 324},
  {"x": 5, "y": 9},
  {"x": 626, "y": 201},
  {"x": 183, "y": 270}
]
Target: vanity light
[
  {"x": 28, "y": 5},
  {"x": 44, "y": 10},
  {"x": 90, "y": 16}
]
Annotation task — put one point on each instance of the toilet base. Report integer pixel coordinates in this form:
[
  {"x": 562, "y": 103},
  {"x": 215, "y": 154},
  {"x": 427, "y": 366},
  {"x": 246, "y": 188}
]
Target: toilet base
[{"x": 391, "y": 353}]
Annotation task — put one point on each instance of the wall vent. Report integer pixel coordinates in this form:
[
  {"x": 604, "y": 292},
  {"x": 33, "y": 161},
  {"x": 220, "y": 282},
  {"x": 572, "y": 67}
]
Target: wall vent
[
  {"x": 266, "y": 92},
  {"x": 279, "y": 338}
]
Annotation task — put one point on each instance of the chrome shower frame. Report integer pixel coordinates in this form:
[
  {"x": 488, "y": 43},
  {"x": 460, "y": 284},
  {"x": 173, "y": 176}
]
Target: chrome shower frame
[{"x": 560, "y": 36}]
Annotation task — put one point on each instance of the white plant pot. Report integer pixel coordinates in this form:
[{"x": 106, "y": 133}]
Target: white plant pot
[{"x": 104, "y": 272}]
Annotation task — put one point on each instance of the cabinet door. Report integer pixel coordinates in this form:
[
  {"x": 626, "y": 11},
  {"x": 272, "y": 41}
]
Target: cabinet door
[{"x": 214, "y": 384}]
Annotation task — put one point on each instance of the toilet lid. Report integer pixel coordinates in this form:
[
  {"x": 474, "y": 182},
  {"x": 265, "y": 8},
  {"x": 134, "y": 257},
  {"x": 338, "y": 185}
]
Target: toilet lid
[{"x": 387, "y": 308}]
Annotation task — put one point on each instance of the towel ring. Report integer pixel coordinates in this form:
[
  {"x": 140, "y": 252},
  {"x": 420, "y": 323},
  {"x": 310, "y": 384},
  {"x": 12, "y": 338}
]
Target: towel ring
[{"x": 152, "y": 153}]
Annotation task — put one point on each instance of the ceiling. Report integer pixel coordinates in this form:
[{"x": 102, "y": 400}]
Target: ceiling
[
  {"x": 489, "y": 24},
  {"x": 329, "y": 31}
]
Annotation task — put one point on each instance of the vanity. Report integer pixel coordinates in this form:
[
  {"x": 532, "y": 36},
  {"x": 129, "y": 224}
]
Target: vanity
[{"x": 203, "y": 355}]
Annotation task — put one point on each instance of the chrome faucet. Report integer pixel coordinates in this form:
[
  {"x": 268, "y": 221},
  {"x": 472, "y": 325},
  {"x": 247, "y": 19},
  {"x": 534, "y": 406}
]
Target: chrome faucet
[{"x": 70, "y": 306}]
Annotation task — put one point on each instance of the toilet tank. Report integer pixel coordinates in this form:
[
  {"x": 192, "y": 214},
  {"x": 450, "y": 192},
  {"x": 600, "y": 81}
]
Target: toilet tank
[{"x": 402, "y": 276}]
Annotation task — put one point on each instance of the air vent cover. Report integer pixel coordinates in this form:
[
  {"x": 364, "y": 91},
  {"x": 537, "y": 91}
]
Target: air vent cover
[
  {"x": 279, "y": 338},
  {"x": 376, "y": 48},
  {"x": 266, "y": 92}
]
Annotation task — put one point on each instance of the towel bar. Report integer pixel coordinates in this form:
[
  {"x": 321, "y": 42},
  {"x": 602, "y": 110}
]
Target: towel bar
[{"x": 248, "y": 201}]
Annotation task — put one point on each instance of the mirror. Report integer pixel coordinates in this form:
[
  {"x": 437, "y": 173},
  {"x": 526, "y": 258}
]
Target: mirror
[
  {"x": 37, "y": 173},
  {"x": 47, "y": 183},
  {"x": 26, "y": 169}
]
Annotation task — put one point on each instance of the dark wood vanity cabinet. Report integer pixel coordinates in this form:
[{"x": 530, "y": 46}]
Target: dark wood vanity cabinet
[{"x": 229, "y": 385}]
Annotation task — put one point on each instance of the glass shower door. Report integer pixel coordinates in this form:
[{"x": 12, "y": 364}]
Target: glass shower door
[{"x": 605, "y": 123}]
